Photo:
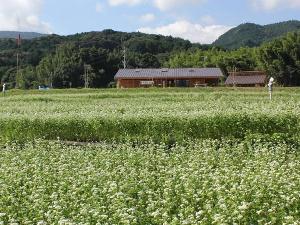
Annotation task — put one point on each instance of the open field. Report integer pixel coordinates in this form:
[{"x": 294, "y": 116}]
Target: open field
[
  {"x": 173, "y": 156},
  {"x": 162, "y": 115},
  {"x": 207, "y": 182}
]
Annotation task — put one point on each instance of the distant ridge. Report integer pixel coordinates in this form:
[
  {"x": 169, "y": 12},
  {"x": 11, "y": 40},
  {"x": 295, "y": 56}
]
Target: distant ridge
[
  {"x": 252, "y": 35},
  {"x": 25, "y": 35}
]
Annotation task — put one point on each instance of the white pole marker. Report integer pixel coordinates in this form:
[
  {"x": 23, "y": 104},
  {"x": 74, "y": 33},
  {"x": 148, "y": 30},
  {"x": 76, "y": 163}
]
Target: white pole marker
[{"x": 270, "y": 85}]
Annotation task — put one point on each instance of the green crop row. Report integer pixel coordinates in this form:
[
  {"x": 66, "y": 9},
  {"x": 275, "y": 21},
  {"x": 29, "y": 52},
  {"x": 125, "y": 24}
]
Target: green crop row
[{"x": 158, "y": 129}]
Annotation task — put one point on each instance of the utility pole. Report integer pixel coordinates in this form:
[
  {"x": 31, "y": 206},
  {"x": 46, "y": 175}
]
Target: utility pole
[
  {"x": 17, "y": 62},
  {"x": 234, "y": 73},
  {"x": 51, "y": 80},
  {"x": 87, "y": 69},
  {"x": 124, "y": 58},
  {"x": 18, "y": 53}
]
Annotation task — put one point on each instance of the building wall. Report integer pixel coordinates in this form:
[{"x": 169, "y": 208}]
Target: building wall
[
  {"x": 128, "y": 83},
  {"x": 136, "y": 83}
]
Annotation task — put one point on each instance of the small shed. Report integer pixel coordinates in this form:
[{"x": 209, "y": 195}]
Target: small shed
[
  {"x": 247, "y": 79},
  {"x": 179, "y": 77}
]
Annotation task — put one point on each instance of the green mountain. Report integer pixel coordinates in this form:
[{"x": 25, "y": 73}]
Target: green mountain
[
  {"x": 24, "y": 35},
  {"x": 253, "y": 35}
]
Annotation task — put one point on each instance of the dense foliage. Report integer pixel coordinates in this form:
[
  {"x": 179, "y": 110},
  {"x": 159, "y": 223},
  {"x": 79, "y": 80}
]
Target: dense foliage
[
  {"x": 241, "y": 59},
  {"x": 60, "y": 60},
  {"x": 281, "y": 59},
  {"x": 253, "y": 35}
]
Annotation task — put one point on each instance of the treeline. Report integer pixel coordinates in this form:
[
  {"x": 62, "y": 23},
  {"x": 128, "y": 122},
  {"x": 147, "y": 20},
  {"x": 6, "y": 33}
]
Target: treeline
[
  {"x": 241, "y": 59},
  {"x": 62, "y": 61},
  {"x": 279, "y": 58}
]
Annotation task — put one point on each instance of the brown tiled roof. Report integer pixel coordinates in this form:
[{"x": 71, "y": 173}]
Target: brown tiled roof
[
  {"x": 247, "y": 73},
  {"x": 169, "y": 73},
  {"x": 246, "y": 79}
]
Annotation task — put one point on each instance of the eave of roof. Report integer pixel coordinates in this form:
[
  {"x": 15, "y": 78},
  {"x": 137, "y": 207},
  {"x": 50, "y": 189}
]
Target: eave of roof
[
  {"x": 248, "y": 73},
  {"x": 154, "y": 78}
]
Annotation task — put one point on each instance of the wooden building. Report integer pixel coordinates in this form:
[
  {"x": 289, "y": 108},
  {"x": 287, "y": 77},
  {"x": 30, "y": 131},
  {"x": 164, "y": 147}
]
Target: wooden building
[
  {"x": 181, "y": 77},
  {"x": 247, "y": 79}
]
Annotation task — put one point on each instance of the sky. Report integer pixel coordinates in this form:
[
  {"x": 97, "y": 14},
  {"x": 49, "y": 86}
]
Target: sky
[{"x": 200, "y": 21}]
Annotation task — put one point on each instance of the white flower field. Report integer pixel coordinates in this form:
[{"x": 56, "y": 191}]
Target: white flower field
[{"x": 174, "y": 156}]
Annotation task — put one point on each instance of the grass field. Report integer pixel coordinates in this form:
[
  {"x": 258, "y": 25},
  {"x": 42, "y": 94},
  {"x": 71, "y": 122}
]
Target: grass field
[{"x": 150, "y": 156}]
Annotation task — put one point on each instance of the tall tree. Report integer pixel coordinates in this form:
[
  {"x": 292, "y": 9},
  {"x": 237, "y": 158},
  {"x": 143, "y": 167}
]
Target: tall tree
[
  {"x": 281, "y": 59},
  {"x": 61, "y": 68}
]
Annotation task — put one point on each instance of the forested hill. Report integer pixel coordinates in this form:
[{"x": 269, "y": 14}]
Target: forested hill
[
  {"x": 252, "y": 35},
  {"x": 24, "y": 35},
  {"x": 61, "y": 59}
]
